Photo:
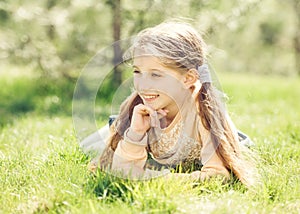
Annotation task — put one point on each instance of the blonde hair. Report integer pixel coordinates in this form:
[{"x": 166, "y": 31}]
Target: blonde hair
[
  {"x": 179, "y": 45},
  {"x": 171, "y": 42}
]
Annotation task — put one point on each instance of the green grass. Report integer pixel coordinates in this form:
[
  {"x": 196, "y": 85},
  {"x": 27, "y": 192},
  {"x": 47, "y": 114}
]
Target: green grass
[{"x": 43, "y": 170}]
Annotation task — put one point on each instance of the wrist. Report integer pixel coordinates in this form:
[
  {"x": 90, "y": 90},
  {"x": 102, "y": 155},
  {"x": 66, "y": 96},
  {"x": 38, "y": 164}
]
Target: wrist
[{"x": 134, "y": 135}]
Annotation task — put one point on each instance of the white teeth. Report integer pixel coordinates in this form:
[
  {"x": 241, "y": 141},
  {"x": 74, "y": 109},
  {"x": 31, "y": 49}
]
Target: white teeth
[{"x": 149, "y": 96}]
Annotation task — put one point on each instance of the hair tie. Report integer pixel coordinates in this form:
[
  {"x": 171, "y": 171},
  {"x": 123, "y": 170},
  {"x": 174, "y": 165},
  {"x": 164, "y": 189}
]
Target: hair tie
[{"x": 204, "y": 74}]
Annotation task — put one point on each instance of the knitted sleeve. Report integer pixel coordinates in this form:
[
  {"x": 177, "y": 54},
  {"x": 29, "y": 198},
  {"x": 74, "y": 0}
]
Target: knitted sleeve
[{"x": 130, "y": 156}]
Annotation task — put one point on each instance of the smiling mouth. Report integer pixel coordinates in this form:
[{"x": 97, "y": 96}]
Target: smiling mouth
[{"x": 150, "y": 97}]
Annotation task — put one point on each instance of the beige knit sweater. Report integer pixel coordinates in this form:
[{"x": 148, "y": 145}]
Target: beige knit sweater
[{"x": 184, "y": 141}]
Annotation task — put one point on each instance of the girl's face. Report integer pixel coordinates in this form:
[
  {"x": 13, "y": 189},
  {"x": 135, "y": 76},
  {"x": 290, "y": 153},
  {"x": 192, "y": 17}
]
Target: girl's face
[{"x": 159, "y": 86}]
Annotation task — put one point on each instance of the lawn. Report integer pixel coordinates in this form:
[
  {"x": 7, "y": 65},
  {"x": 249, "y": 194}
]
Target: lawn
[{"x": 43, "y": 169}]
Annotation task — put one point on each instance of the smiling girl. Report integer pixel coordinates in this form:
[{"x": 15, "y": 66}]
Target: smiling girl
[{"x": 175, "y": 118}]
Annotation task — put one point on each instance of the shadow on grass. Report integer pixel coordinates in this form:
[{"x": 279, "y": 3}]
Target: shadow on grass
[
  {"x": 110, "y": 188},
  {"x": 155, "y": 194},
  {"x": 48, "y": 97},
  {"x": 144, "y": 195}
]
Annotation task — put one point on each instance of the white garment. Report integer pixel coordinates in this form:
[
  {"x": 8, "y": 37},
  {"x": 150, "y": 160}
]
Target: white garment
[{"x": 95, "y": 143}]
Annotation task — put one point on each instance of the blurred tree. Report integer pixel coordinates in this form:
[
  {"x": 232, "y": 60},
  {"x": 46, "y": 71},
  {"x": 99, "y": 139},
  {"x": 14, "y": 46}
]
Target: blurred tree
[
  {"x": 296, "y": 4},
  {"x": 117, "y": 27},
  {"x": 50, "y": 27},
  {"x": 59, "y": 37},
  {"x": 270, "y": 31}
]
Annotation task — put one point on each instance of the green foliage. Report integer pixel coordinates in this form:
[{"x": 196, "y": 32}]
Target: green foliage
[
  {"x": 52, "y": 35},
  {"x": 24, "y": 94},
  {"x": 270, "y": 32},
  {"x": 42, "y": 167},
  {"x": 59, "y": 37}
]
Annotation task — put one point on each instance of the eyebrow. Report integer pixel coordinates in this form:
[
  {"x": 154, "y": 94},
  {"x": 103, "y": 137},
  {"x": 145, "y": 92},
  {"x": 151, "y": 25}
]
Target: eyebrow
[{"x": 152, "y": 69}]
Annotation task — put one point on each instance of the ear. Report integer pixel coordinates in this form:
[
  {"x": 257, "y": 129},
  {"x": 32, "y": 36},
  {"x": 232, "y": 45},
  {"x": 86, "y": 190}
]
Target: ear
[{"x": 190, "y": 78}]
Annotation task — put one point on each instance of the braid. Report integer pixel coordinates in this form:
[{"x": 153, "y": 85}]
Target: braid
[{"x": 213, "y": 117}]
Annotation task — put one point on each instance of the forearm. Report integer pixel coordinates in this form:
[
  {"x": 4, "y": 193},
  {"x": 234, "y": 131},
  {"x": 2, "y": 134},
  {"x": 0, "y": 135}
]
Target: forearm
[{"x": 130, "y": 155}]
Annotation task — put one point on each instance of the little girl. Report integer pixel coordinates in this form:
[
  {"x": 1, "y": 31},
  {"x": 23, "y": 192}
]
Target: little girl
[{"x": 175, "y": 118}]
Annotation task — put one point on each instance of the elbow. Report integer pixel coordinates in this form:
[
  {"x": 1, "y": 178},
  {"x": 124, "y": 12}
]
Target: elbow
[{"x": 127, "y": 168}]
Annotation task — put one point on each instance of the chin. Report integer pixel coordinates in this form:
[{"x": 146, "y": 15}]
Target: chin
[{"x": 153, "y": 105}]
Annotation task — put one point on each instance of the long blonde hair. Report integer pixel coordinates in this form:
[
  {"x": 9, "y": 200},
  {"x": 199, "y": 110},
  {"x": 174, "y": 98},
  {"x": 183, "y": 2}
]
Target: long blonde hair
[{"x": 179, "y": 45}]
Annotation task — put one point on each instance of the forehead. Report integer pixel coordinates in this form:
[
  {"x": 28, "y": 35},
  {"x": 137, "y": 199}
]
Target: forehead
[{"x": 147, "y": 62}]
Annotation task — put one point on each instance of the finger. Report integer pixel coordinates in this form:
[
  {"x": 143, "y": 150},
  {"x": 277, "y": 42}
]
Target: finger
[
  {"x": 162, "y": 113},
  {"x": 154, "y": 117},
  {"x": 144, "y": 110}
]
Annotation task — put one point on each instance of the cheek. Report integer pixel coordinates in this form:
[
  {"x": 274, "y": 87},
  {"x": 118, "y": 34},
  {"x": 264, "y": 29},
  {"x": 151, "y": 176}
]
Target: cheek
[
  {"x": 166, "y": 98},
  {"x": 139, "y": 83},
  {"x": 171, "y": 87},
  {"x": 135, "y": 83},
  {"x": 175, "y": 91},
  {"x": 144, "y": 84}
]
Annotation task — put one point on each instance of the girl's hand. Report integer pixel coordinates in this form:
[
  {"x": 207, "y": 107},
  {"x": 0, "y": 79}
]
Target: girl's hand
[{"x": 144, "y": 117}]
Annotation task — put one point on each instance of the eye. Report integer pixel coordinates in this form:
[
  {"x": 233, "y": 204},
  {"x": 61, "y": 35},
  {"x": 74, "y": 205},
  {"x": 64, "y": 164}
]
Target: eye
[
  {"x": 136, "y": 72},
  {"x": 155, "y": 75}
]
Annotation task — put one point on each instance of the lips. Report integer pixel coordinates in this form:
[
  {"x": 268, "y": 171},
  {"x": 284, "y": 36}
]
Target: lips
[{"x": 150, "y": 97}]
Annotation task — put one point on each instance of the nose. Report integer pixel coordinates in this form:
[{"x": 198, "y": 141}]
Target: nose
[{"x": 142, "y": 82}]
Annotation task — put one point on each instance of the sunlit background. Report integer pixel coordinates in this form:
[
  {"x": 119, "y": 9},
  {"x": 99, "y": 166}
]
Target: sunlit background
[
  {"x": 254, "y": 48},
  {"x": 50, "y": 41}
]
